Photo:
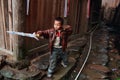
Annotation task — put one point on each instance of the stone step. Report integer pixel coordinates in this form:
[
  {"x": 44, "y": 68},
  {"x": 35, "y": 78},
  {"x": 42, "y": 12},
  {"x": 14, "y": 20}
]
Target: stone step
[
  {"x": 99, "y": 68},
  {"x": 60, "y": 71},
  {"x": 14, "y": 74}
]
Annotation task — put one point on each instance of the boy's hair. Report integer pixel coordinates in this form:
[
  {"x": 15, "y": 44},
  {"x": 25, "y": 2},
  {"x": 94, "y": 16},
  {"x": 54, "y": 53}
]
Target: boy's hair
[{"x": 60, "y": 19}]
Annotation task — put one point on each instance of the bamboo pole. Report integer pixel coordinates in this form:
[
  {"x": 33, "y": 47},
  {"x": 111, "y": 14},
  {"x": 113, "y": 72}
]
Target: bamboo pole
[{"x": 3, "y": 27}]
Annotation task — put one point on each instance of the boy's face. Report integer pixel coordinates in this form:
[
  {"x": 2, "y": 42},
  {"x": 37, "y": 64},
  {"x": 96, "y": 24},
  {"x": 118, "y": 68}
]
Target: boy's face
[{"x": 57, "y": 25}]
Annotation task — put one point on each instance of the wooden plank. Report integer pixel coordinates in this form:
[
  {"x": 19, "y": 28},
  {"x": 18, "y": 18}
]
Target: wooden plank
[
  {"x": 79, "y": 15},
  {"x": 35, "y": 21},
  {"x": 57, "y": 2},
  {"x": 42, "y": 14},
  {"x": 3, "y": 21},
  {"x": 1, "y": 35},
  {"x": 10, "y": 58},
  {"x": 62, "y": 7},
  {"x": 49, "y": 15},
  {"x": 59, "y": 7},
  {"x": 38, "y": 49},
  {"x": 39, "y": 14},
  {"x": 2, "y": 40},
  {"x": 33, "y": 17},
  {"x": 72, "y": 14},
  {"x": 5, "y": 52},
  {"x": 6, "y": 21},
  {"x": 76, "y": 15},
  {"x": 83, "y": 17},
  {"x": 54, "y": 9},
  {"x": 46, "y": 6},
  {"x": 10, "y": 24}
]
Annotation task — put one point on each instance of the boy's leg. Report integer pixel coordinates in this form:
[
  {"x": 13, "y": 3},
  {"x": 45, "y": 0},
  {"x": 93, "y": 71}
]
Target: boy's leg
[
  {"x": 52, "y": 62},
  {"x": 64, "y": 57}
]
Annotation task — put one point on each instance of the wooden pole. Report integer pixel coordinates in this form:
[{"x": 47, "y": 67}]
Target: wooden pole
[{"x": 19, "y": 11}]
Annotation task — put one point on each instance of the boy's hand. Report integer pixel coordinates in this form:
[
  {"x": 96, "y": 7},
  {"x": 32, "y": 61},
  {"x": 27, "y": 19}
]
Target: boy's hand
[{"x": 36, "y": 34}]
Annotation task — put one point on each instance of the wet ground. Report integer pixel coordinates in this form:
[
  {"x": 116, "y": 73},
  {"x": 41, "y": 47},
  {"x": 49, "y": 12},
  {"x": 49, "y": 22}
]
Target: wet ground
[{"x": 104, "y": 60}]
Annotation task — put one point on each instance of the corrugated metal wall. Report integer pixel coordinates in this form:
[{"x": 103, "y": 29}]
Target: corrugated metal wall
[
  {"x": 41, "y": 15},
  {"x": 77, "y": 16},
  {"x": 43, "y": 12}
]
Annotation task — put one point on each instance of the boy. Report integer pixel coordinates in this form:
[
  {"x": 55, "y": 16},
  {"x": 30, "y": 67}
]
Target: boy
[{"x": 57, "y": 36}]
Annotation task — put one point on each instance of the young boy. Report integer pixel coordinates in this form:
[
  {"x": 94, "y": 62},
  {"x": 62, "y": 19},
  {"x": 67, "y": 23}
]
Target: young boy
[{"x": 58, "y": 36}]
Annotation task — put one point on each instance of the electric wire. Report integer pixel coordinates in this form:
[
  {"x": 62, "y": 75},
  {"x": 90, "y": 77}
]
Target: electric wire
[{"x": 90, "y": 46}]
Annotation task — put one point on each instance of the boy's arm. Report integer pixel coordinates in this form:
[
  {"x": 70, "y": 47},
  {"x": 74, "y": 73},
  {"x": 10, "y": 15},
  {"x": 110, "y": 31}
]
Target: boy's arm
[
  {"x": 44, "y": 33},
  {"x": 68, "y": 29}
]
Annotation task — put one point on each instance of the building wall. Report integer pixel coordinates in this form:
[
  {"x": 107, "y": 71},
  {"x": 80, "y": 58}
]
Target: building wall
[
  {"x": 33, "y": 15},
  {"x": 109, "y": 9},
  {"x": 14, "y": 17},
  {"x": 5, "y": 24}
]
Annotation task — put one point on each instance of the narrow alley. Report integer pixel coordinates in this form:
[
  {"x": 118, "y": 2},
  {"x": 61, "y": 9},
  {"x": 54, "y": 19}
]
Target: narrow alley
[{"x": 37, "y": 37}]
